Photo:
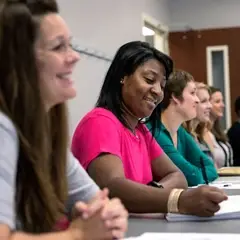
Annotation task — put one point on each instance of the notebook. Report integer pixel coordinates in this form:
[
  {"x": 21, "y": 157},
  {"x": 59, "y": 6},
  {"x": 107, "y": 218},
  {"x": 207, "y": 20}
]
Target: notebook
[
  {"x": 229, "y": 209},
  {"x": 186, "y": 236}
]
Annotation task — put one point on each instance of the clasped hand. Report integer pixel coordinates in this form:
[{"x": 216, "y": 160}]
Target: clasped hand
[{"x": 101, "y": 218}]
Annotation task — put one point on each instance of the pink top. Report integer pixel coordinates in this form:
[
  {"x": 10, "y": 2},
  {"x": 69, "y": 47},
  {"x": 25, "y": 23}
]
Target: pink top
[{"x": 101, "y": 132}]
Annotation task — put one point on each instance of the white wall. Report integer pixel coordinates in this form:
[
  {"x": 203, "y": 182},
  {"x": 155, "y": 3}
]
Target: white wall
[
  {"x": 201, "y": 14},
  {"x": 103, "y": 25}
]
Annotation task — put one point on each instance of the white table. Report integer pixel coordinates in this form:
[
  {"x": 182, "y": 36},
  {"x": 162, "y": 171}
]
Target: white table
[
  {"x": 138, "y": 226},
  {"x": 230, "y": 179}
]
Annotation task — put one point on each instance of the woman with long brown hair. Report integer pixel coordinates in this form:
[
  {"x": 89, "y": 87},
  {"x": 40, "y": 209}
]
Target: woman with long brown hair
[
  {"x": 40, "y": 181},
  {"x": 222, "y": 151}
]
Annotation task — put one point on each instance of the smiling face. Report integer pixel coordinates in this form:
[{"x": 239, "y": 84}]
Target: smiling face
[
  {"x": 55, "y": 60},
  {"x": 204, "y": 106},
  {"x": 143, "y": 90},
  {"x": 187, "y": 105},
  {"x": 217, "y": 105}
]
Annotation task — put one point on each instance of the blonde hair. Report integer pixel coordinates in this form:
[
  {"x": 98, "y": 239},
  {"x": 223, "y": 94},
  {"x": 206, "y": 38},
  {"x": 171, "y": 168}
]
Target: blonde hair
[{"x": 199, "y": 131}]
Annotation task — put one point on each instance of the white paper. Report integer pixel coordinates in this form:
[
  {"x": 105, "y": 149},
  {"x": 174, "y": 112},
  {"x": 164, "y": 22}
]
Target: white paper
[
  {"x": 148, "y": 215},
  {"x": 222, "y": 185},
  {"x": 226, "y": 185},
  {"x": 186, "y": 236},
  {"x": 231, "y": 180},
  {"x": 229, "y": 209}
]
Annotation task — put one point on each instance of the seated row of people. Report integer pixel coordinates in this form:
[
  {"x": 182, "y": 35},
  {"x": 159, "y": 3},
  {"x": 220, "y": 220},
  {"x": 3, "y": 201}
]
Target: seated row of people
[
  {"x": 119, "y": 152},
  {"x": 178, "y": 106},
  {"x": 206, "y": 128},
  {"x": 43, "y": 184}
]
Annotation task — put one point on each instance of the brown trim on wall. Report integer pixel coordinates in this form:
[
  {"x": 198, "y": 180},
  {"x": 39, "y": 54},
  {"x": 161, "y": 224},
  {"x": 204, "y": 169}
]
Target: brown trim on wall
[{"x": 188, "y": 50}]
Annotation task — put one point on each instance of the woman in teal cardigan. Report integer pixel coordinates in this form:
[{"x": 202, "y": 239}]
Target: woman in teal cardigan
[{"x": 178, "y": 106}]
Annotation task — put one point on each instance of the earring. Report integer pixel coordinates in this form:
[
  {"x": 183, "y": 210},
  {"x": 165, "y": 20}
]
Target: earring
[{"x": 121, "y": 81}]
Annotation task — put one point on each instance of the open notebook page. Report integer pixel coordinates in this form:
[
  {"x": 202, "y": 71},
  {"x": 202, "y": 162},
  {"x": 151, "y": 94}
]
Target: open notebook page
[{"x": 229, "y": 209}]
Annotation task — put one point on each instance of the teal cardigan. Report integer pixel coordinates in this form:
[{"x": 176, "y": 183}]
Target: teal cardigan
[{"x": 187, "y": 155}]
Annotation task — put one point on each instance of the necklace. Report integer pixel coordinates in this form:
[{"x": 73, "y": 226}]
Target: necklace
[
  {"x": 133, "y": 130},
  {"x": 127, "y": 111}
]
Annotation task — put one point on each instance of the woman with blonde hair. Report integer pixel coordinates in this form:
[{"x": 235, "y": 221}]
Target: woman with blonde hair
[{"x": 199, "y": 126}]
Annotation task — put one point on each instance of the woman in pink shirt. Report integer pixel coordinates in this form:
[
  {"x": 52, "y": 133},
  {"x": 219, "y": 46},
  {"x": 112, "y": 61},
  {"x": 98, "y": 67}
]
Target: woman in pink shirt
[{"x": 117, "y": 150}]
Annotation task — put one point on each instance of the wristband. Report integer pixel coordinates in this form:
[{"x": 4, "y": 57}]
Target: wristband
[{"x": 173, "y": 199}]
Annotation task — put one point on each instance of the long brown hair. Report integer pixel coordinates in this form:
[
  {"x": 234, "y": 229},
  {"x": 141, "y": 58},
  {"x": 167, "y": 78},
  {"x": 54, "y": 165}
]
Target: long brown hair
[
  {"x": 217, "y": 129},
  {"x": 41, "y": 171}
]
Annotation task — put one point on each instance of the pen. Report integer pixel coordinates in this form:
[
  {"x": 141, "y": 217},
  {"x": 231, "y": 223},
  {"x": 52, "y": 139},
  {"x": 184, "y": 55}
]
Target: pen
[
  {"x": 204, "y": 171},
  {"x": 226, "y": 185}
]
